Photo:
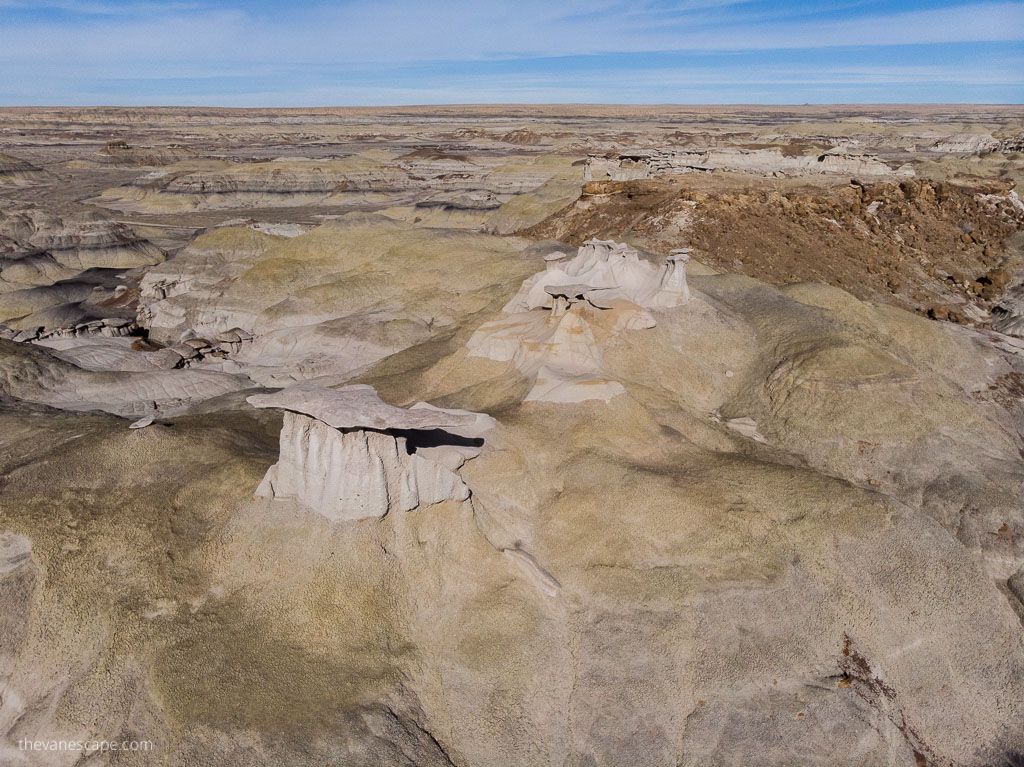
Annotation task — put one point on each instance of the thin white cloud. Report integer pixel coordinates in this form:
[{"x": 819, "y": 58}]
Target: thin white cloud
[
  {"x": 988, "y": 81},
  {"x": 216, "y": 48},
  {"x": 394, "y": 31}
]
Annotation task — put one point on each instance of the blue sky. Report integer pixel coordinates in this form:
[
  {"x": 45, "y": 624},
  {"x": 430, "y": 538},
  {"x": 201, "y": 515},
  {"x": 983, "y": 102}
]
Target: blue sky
[{"x": 371, "y": 52}]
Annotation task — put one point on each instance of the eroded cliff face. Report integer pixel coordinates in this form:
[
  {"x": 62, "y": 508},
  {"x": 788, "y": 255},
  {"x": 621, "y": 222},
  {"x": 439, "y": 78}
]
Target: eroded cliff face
[
  {"x": 16, "y": 171},
  {"x": 42, "y": 247},
  {"x": 654, "y": 163},
  {"x": 377, "y": 176},
  {"x": 67, "y": 270}
]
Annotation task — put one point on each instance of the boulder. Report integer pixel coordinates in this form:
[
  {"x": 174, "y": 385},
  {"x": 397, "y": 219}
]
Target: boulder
[{"x": 165, "y": 359}]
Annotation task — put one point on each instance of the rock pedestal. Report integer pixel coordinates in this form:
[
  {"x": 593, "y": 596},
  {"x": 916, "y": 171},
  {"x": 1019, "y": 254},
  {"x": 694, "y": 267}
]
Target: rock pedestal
[{"x": 347, "y": 455}]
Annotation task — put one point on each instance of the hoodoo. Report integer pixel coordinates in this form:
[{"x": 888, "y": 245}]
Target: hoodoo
[
  {"x": 613, "y": 268},
  {"x": 606, "y": 289},
  {"x": 348, "y": 455},
  {"x": 674, "y": 289}
]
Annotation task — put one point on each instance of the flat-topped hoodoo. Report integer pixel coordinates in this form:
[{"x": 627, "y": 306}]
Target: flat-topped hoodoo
[{"x": 347, "y": 454}]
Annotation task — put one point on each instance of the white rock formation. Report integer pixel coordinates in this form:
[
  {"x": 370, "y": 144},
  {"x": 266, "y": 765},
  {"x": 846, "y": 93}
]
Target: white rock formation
[
  {"x": 1008, "y": 316},
  {"x": 605, "y": 289},
  {"x": 673, "y": 289},
  {"x": 1009, "y": 323},
  {"x": 348, "y": 455},
  {"x": 650, "y": 163},
  {"x": 106, "y": 374},
  {"x": 965, "y": 143},
  {"x": 613, "y": 268}
]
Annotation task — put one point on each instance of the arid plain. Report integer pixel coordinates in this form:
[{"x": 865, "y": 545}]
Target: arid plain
[{"x": 510, "y": 435}]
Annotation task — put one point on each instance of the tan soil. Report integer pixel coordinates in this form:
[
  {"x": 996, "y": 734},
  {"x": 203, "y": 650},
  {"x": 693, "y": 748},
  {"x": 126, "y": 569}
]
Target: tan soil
[{"x": 928, "y": 246}]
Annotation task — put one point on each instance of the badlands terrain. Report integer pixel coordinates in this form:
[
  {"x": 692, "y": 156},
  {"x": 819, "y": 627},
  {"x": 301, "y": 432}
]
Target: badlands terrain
[{"x": 513, "y": 436}]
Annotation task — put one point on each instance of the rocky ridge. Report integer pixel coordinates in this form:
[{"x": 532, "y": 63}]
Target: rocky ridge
[
  {"x": 927, "y": 246},
  {"x": 654, "y": 163}
]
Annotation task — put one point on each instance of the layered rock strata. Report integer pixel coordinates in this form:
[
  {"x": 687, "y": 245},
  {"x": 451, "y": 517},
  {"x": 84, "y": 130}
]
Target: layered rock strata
[
  {"x": 39, "y": 247},
  {"x": 651, "y": 163},
  {"x": 15, "y": 171}
]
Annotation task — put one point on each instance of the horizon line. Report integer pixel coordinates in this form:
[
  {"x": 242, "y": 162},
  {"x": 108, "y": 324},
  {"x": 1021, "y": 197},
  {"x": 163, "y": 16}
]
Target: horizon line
[{"x": 494, "y": 105}]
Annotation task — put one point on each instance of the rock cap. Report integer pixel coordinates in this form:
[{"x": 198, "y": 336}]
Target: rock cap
[{"x": 358, "y": 407}]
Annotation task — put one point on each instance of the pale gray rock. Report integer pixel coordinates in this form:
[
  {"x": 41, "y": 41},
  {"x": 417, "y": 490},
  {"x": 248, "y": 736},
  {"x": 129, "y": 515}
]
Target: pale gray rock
[
  {"x": 26, "y": 335},
  {"x": 185, "y": 351},
  {"x": 97, "y": 353},
  {"x": 40, "y": 247},
  {"x": 674, "y": 288},
  {"x": 551, "y": 327},
  {"x": 1008, "y": 315},
  {"x": 370, "y": 287},
  {"x": 165, "y": 359},
  {"x": 965, "y": 143},
  {"x": 1016, "y": 585},
  {"x": 353, "y": 474},
  {"x": 746, "y": 426},
  {"x": 652, "y": 163},
  {"x": 347, "y": 455},
  {"x": 357, "y": 407},
  {"x": 564, "y": 296},
  {"x": 374, "y": 175},
  {"x": 541, "y": 578},
  {"x": 229, "y": 337},
  {"x": 36, "y": 374},
  {"x": 109, "y": 327},
  {"x": 15, "y": 552},
  {"x": 614, "y": 269}
]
